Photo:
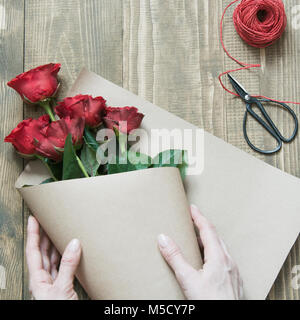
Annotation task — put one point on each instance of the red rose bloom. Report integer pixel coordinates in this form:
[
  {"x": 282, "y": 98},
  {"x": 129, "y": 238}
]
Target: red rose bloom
[
  {"x": 124, "y": 119},
  {"x": 83, "y": 106},
  {"x": 37, "y": 84},
  {"x": 24, "y": 135},
  {"x": 54, "y": 136}
]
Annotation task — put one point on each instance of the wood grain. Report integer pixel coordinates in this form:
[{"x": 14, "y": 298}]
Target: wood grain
[
  {"x": 11, "y": 112},
  {"x": 165, "y": 51},
  {"x": 159, "y": 66}
]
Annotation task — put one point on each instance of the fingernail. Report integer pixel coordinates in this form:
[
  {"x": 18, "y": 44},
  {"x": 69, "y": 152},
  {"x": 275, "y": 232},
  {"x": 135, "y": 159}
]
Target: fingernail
[
  {"x": 74, "y": 245},
  {"x": 30, "y": 223},
  {"x": 194, "y": 208},
  {"x": 30, "y": 219},
  {"x": 163, "y": 241}
]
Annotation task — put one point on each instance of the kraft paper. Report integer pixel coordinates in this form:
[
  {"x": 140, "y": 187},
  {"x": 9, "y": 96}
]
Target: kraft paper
[{"x": 117, "y": 219}]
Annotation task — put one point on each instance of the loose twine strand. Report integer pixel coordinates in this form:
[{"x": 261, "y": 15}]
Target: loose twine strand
[{"x": 260, "y": 23}]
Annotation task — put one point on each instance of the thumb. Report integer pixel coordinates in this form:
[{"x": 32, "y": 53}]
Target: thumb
[
  {"x": 172, "y": 254},
  {"x": 69, "y": 263}
]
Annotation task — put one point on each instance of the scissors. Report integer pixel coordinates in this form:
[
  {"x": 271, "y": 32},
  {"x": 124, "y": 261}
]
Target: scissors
[{"x": 265, "y": 122}]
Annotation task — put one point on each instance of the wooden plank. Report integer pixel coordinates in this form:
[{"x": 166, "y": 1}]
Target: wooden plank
[
  {"x": 213, "y": 116},
  {"x": 11, "y": 112},
  {"x": 75, "y": 33},
  {"x": 161, "y": 54}
]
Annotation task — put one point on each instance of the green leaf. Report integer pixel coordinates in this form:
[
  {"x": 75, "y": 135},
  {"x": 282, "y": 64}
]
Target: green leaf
[
  {"x": 172, "y": 158},
  {"x": 47, "y": 181},
  {"x": 90, "y": 139},
  {"x": 129, "y": 161},
  {"x": 55, "y": 168},
  {"x": 122, "y": 140},
  {"x": 89, "y": 160},
  {"x": 71, "y": 168},
  {"x": 139, "y": 160}
]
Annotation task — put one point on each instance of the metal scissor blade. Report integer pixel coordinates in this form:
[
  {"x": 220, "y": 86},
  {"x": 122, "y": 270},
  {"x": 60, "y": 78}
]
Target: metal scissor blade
[{"x": 240, "y": 90}]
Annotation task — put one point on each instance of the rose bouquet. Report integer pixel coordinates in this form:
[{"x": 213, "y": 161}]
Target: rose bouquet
[
  {"x": 120, "y": 209},
  {"x": 64, "y": 139}
]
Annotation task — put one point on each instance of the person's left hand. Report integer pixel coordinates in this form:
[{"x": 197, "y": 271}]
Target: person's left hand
[{"x": 45, "y": 282}]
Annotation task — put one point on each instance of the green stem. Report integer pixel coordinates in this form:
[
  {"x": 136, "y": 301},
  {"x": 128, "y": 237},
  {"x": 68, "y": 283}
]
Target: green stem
[
  {"x": 47, "y": 166},
  {"x": 122, "y": 142},
  {"x": 47, "y": 107},
  {"x": 82, "y": 167}
]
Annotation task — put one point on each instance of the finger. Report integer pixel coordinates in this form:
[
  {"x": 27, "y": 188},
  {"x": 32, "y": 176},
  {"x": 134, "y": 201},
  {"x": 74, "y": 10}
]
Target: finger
[
  {"x": 45, "y": 246},
  {"x": 241, "y": 289},
  {"x": 33, "y": 253},
  {"x": 235, "y": 275},
  {"x": 172, "y": 254},
  {"x": 69, "y": 263},
  {"x": 54, "y": 261},
  {"x": 200, "y": 243},
  {"x": 213, "y": 249},
  {"x": 201, "y": 247}
]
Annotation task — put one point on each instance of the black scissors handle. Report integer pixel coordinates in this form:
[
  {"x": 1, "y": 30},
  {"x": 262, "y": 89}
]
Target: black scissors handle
[{"x": 268, "y": 124}]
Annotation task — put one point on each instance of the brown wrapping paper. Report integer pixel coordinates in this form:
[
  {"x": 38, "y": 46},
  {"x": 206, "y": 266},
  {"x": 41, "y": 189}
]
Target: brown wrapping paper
[
  {"x": 117, "y": 218},
  {"x": 255, "y": 207}
]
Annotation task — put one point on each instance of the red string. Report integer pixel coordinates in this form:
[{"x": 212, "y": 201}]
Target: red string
[{"x": 259, "y": 23}]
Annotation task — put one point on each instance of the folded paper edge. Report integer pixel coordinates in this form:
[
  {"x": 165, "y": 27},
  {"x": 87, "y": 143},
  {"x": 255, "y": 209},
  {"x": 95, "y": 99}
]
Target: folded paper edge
[{"x": 36, "y": 168}]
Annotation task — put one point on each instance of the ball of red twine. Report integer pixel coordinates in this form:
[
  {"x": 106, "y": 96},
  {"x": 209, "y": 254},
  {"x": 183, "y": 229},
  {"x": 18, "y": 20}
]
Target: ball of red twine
[{"x": 260, "y": 23}]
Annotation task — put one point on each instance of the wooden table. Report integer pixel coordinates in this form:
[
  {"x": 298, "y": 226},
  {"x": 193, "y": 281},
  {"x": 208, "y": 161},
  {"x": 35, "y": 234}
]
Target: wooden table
[{"x": 165, "y": 51}]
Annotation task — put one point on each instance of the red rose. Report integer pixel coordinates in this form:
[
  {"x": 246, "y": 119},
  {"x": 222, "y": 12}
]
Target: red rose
[
  {"x": 37, "y": 84},
  {"x": 23, "y": 136},
  {"x": 124, "y": 119},
  {"x": 84, "y": 106},
  {"x": 54, "y": 136}
]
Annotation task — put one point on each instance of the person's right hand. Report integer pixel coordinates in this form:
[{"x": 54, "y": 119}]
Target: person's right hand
[{"x": 218, "y": 279}]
